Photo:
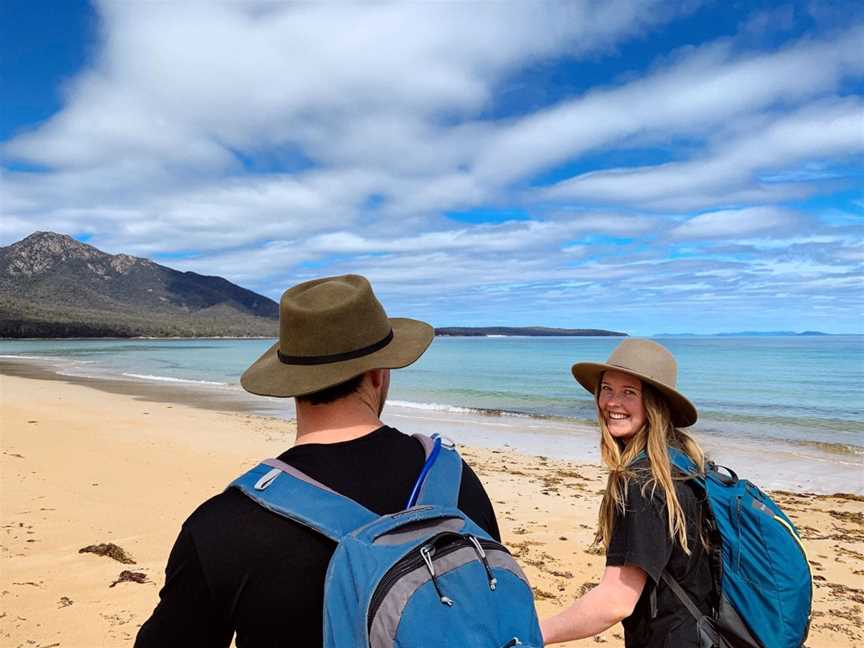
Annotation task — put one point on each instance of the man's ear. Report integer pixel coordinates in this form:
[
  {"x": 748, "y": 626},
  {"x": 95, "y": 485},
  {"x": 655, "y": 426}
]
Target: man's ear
[{"x": 376, "y": 377}]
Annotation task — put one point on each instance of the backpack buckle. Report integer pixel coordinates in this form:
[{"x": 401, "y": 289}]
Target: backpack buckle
[{"x": 267, "y": 479}]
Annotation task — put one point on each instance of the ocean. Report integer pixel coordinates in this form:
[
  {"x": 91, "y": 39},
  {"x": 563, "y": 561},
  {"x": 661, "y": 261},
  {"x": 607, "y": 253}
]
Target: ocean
[{"x": 790, "y": 410}]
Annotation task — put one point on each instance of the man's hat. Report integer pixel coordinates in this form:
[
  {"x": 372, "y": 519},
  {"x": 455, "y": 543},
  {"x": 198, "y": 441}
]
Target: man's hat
[
  {"x": 650, "y": 362},
  {"x": 331, "y": 330}
]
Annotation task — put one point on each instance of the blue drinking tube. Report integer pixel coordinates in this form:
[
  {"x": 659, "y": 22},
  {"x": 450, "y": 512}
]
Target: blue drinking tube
[{"x": 415, "y": 492}]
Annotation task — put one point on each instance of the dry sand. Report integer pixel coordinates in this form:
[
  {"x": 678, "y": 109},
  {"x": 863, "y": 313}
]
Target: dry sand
[{"x": 83, "y": 467}]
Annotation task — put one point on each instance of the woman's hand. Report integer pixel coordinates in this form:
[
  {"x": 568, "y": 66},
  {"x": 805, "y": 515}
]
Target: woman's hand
[{"x": 599, "y": 609}]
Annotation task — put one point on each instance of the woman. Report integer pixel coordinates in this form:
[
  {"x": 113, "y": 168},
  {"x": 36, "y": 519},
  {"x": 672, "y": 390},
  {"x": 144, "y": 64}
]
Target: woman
[{"x": 650, "y": 518}]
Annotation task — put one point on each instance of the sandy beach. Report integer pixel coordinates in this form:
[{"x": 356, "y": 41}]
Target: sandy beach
[{"x": 83, "y": 467}]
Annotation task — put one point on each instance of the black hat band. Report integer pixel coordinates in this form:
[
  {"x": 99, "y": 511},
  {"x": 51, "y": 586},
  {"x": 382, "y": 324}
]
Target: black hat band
[{"x": 335, "y": 357}]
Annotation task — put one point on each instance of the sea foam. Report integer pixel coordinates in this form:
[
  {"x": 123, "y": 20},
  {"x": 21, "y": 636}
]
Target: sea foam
[{"x": 174, "y": 380}]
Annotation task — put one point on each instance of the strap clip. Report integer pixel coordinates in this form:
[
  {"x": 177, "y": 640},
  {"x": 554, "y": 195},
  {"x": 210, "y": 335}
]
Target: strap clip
[{"x": 267, "y": 479}]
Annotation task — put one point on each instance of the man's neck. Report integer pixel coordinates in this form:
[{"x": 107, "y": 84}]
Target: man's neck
[{"x": 343, "y": 420}]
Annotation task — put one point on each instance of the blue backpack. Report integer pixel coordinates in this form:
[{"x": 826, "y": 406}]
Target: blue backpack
[
  {"x": 763, "y": 576},
  {"x": 426, "y": 576}
]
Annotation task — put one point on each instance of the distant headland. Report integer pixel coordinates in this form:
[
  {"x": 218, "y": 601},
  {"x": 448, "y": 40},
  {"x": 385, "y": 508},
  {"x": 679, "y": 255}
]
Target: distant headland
[{"x": 530, "y": 331}]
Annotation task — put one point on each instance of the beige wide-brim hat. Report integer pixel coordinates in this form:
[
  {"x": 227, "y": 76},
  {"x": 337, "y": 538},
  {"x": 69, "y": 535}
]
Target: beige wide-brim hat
[
  {"x": 331, "y": 330},
  {"x": 648, "y": 361}
]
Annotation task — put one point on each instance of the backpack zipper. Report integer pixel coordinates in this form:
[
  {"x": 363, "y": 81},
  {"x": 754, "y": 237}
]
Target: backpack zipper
[
  {"x": 797, "y": 539},
  {"x": 493, "y": 582},
  {"x": 414, "y": 560},
  {"x": 426, "y": 555},
  {"x": 408, "y": 563}
]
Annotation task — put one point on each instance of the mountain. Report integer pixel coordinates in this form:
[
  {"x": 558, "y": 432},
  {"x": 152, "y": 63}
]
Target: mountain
[
  {"x": 532, "y": 331},
  {"x": 54, "y": 286}
]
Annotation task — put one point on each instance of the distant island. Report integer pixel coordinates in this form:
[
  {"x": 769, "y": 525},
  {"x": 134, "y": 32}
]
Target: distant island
[
  {"x": 530, "y": 331},
  {"x": 54, "y": 286},
  {"x": 770, "y": 333},
  {"x": 747, "y": 334}
]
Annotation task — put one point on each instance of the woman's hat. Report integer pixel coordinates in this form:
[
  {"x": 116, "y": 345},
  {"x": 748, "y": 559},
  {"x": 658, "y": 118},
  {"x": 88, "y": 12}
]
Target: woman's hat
[
  {"x": 331, "y": 330},
  {"x": 651, "y": 363}
]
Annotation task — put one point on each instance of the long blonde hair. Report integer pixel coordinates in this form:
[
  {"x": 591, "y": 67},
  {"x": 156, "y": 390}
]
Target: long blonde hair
[{"x": 654, "y": 438}]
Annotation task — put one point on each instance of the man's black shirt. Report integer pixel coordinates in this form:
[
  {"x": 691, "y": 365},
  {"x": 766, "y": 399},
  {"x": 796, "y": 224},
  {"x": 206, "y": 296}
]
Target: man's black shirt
[
  {"x": 641, "y": 538},
  {"x": 237, "y": 567}
]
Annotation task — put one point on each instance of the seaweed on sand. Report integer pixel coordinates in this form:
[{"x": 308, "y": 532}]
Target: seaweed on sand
[{"x": 111, "y": 550}]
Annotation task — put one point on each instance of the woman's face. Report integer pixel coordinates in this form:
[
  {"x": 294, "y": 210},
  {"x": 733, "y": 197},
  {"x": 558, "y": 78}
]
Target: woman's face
[{"x": 621, "y": 405}]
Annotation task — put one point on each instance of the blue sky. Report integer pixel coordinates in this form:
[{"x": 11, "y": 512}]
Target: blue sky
[{"x": 641, "y": 166}]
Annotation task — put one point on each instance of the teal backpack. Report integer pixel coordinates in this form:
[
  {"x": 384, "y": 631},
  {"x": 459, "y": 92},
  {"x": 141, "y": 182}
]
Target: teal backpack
[
  {"x": 760, "y": 567},
  {"x": 426, "y": 576}
]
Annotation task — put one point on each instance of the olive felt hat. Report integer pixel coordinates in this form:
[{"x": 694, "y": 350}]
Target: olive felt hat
[
  {"x": 651, "y": 363},
  {"x": 331, "y": 330}
]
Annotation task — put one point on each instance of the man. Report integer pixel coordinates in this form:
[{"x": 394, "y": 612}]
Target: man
[{"x": 237, "y": 567}]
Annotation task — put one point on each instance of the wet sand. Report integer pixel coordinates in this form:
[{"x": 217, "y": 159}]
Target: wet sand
[{"x": 90, "y": 463}]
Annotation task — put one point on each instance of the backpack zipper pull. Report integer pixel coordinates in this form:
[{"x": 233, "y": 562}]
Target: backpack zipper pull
[
  {"x": 493, "y": 582},
  {"x": 426, "y": 554}
]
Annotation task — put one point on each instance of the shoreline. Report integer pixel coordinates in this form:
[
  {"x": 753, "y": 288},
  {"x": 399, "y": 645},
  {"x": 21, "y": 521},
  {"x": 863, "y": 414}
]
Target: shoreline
[
  {"x": 796, "y": 465},
  {"x": 149, "y": 391},
  {"x": 83, "y": 466}
]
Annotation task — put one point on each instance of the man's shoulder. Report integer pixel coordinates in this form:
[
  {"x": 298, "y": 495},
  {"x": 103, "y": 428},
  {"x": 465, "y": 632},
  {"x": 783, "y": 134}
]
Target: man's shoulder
[
  {"x": 368, "y": 447},
  {"x": 231, "y": 522},
  {"x": 229, "y": 504}
]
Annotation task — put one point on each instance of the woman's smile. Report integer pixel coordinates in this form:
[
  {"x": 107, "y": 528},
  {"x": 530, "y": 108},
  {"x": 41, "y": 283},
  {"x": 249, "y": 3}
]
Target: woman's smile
[{"x": 620, "y": 402}]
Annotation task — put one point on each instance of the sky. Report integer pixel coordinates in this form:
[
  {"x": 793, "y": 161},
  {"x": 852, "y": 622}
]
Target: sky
[{"x": 647, "y": 167}]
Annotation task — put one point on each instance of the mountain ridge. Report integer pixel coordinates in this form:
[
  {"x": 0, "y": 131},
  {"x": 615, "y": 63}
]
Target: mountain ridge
[{"x": 52, "y": 285}]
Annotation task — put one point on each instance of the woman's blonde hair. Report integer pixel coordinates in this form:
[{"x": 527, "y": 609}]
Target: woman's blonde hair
[{"x": 654, "y": 438}]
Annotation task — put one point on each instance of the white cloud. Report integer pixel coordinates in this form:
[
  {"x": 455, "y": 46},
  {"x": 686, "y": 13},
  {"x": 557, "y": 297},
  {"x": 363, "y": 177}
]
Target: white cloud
[
  {"x": 799, "y": 269},
  {"x": 735, "y": 223},
  {"x": 205, "y": 215},
  {"x": 484, "y": 244},
  {"x": 178, "y": 93},
  {"x": 106, "y": 123},
  {"x": 832, "y": 128},
  {"x": 508, "y": 236},
  {"x": 214, "y": 76},
  {"x": 706, "y": 86}
]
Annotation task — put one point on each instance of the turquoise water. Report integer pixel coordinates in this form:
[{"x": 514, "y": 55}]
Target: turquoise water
[{"x": 803, "y": 390}]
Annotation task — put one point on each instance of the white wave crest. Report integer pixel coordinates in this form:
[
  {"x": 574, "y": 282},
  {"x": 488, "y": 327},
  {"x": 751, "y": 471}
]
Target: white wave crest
[
  {"x": 454, "y": 409},
  {"x": 174, "y": 380},
  {"x": 436, "y": 407}
]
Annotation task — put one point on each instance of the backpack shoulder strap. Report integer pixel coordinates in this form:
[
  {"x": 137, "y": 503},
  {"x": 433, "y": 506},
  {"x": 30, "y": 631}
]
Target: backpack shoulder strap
[
  {"x": 682, "y": 461},
  {"x": 681, "y": 595},
  {"x": 287, "y": 491},
  {"x": 444, "y": 479}
]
